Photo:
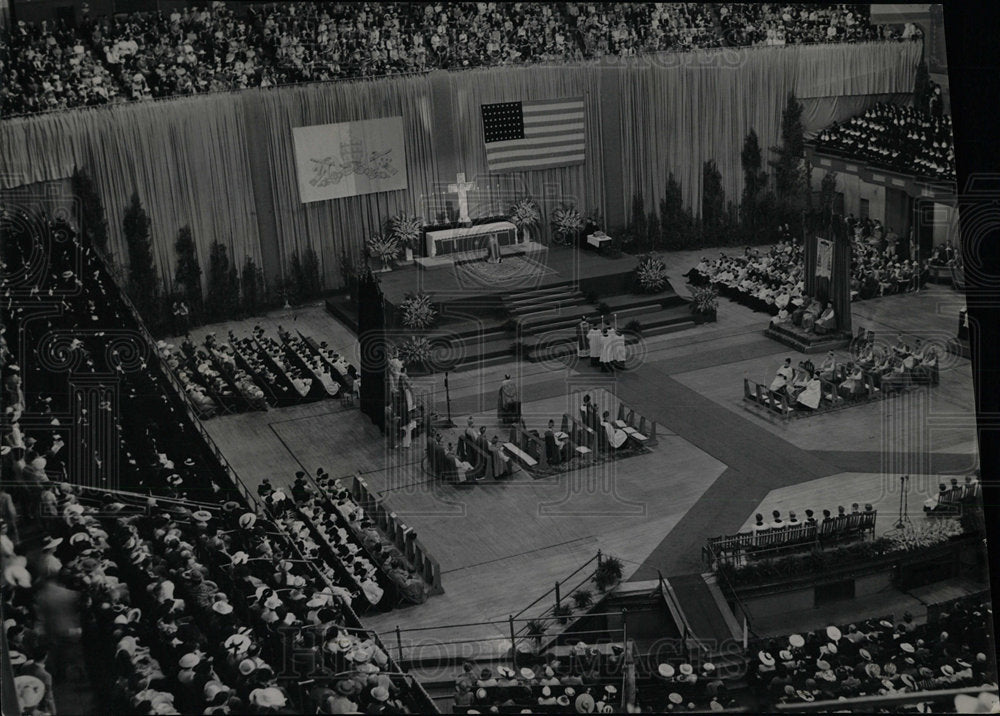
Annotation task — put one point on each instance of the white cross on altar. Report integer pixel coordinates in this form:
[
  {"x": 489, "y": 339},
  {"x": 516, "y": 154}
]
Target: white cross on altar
[{"x": 462, "y": 188}]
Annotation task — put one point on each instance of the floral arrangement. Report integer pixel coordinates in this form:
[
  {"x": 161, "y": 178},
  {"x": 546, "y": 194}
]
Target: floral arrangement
[
  {"x": 406, "y": 229},
  {"x": 927, "y": 535},
  {"x": 705, "y": 299},
  {"x": 525, "y": 213},
  {"x": 414, "y": 351},
  {"x": 566, "y": 221},
  {"x": 651, "y": 273},
  {"x": 594, "y": 216},
  {"x": 418, "y": 312},
  {"x": 383, "y": 247}
]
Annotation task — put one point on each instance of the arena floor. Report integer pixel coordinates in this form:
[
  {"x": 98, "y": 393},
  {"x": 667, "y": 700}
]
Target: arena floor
[{"x": 717, "y": 463}]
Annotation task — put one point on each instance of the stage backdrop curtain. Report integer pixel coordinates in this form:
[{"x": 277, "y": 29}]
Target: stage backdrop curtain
[
  {"x": 185, "y": 158},
  {"x": 685, "y": 109},
  {"x": 199, "y": 161},
  {"x": 581, "y": 185}
]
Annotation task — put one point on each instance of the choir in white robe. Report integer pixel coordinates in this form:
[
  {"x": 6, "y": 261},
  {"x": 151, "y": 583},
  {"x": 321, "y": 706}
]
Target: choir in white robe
[
  {"x": 618, "y": 348},
  {"x": 607, "y": 343},
  {"x": 594, "y": 341}
]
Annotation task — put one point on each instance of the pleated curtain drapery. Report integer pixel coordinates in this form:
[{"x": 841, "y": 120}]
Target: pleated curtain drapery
[
  {"x": 681, "y": 110},
  {"x": 224, "y": 164},
  {"x": 186, "y": 159}
]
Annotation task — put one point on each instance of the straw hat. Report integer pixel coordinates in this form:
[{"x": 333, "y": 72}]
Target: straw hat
[
  {"x": 665, "y": 670},
  {"x": 30, "y": 690}
]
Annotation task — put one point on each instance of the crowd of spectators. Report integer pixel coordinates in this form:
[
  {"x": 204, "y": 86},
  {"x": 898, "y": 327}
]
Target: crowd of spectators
[
  {"x": 193, "y": 606},
  {"x": 900, "y": 138},
  {"x": 754, "y": 24},
  {"x": 588, "y": 679},
  {"x": 56, "y": 65},
  {"x": 879, "y": 657}
]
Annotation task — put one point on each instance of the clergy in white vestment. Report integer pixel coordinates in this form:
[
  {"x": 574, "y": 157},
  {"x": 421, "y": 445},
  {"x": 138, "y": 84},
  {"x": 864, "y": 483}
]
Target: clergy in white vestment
[
  {"x": 783, "y": 377},
  {"x": 811, "y": 394},
  {"x": 594, "y": 344},
  {"x": 616, "y": 436},
  {"x": 618, "y": 349},
  {"x": 606, "y": 349}
]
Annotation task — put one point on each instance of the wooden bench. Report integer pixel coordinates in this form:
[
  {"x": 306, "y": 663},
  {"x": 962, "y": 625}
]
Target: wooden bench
[{"x": 520, "y": 455}]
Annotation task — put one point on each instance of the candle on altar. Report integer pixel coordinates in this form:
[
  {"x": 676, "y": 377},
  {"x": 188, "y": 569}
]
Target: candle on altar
[{"x": 616, "y": 321}]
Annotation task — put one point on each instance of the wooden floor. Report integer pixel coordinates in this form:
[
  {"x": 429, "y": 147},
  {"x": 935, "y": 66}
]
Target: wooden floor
[{"x": 501, "y": 546}]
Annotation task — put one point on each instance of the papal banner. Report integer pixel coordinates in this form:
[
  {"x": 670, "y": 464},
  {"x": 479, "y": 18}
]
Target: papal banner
[
  {"x": 824, "y": 258},
  {"x": 349, "y": 158}
]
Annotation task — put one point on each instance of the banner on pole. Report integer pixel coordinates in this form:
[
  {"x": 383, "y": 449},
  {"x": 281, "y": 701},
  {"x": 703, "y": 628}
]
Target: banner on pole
[{"x": 349, "y": 158}]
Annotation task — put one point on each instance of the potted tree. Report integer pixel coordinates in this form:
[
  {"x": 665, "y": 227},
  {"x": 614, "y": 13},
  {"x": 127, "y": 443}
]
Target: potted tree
[
  {"x": 384, "y": 248},
  {"x": 406, "y": 230},
  {"x": 525, "y": 215}
]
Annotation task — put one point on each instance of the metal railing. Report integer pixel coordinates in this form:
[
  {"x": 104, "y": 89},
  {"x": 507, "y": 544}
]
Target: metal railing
[
  {"x": 680, "y": 618},
  {"x": 877, "y": 704},
  {"x": 511, "y": 636}
]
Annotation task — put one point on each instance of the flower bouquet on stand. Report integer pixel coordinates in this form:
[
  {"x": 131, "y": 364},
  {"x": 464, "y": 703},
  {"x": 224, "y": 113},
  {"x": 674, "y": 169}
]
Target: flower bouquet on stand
[
  {"x": 383, "y": 248},
  {"x": 566, "y": 225},
  {"x": 418, "y": 311},
  {"x": 406, "y": 230},
  {"x": 651, "y": 274},
  {"x": 525, "y": 215}
]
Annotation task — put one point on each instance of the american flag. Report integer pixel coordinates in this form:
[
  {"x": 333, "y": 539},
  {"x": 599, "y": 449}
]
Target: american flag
[{"x": 533, "y": 135}]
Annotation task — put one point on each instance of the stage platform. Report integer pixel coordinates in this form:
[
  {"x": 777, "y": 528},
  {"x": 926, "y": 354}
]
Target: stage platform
[
  {"x": 527, "y": 307},
  {"x": 548, "y": 267}
]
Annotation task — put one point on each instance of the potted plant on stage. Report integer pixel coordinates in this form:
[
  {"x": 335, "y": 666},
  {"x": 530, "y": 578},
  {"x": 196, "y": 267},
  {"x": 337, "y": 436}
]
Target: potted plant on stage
[
  {"x": 525, "y": 215},
  {"x": 566, "y": 225},
  {"x": 704, "y": 303},
  {"x": 384, "y": 248},
  {"x": 418, "y": 311},
  {"x": 582, "y": 598},
  {"x": 608, "y": 573},
  {"x": 406, "y": 230}
]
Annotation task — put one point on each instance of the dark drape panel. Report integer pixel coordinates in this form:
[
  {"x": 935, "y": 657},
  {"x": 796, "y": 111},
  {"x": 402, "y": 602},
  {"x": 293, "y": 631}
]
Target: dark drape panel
[
  {"x": 810, "y": 232},
  {"x": 841, "y": 280},
  {"x": 371, "y": 337}
]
